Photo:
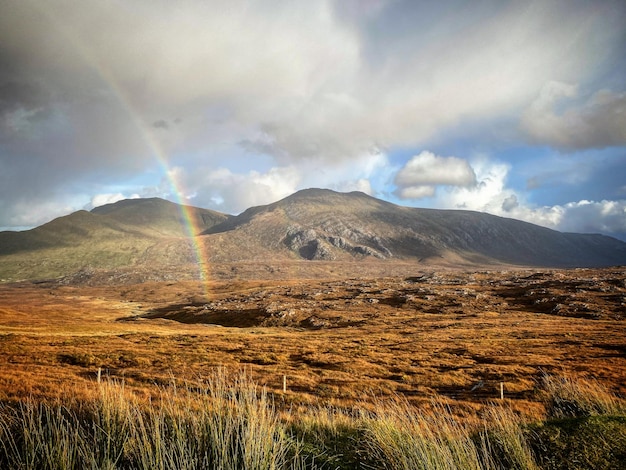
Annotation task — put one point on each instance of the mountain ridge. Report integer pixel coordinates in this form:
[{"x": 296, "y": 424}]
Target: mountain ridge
[
  {"x": 318, "y": 224},
  {"x": 309, "y": 225}
]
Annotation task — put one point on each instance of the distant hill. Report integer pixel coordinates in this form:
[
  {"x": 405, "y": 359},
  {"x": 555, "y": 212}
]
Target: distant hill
[
  {"x": 161, "y": 217},
  {"x": 314, "y": 224},
  {"x": 115, "y": 235}
]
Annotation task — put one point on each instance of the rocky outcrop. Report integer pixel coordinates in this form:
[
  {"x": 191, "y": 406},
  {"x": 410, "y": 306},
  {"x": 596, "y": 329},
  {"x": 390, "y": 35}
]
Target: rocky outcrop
[{"x": 313, "y": 245}]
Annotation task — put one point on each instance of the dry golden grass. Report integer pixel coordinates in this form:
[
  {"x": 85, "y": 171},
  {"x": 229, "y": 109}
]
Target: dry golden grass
[{"x": 338, "y": 341}]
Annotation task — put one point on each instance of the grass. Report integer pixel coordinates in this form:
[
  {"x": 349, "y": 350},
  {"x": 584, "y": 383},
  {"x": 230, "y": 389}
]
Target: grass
[
  {"x": 457, "y": 335},
  {"x": 567, "y": 397},
  {"x": 400, "y": 438},
  {"x": 404, "y": 375},
  {"x": 229, "y": 422},
  {"x": 504, "y": 442},
  {"x": 585, "y": 429},
  {"x": 220, "y": 423},
  {"x": 592, "y": 442}
]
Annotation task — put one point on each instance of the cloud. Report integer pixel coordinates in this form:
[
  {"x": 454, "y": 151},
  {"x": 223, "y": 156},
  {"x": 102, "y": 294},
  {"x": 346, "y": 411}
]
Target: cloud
[
  {"x": 510, "y": 203},
  {"x": 363, "y": 185},
  {"x": 232, "y": 192},
  {"x": 598, "y": 122},
  {"x": 487, "y": 195},
  {"x": 607, "y": 217},
  {"x": 422, "y": 173},
  {"x": 313, "y": 79},
  {"x": 492, "y": 195},
  {"x": 22, "y": 214},
  {"x": 117, "y": 91},
  {"x": 416, "y": 192},
  {"x": 589, "y": 216}
]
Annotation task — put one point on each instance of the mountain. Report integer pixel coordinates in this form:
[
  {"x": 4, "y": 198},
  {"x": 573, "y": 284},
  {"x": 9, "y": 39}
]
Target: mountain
[
  {"x": 314, "y": 224},
  {"x": 320, "y": 224},
  {"x": 115, "y": 235},
  {"x": 161, "y": 217}
]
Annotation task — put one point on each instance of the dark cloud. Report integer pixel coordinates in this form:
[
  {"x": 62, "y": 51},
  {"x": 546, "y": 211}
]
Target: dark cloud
[
  {"x": 510, "y": 203},
  {"x": 20, "y": 94}
]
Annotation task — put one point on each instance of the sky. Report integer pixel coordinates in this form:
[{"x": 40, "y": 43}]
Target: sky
[{"x": 515, "y": 108}]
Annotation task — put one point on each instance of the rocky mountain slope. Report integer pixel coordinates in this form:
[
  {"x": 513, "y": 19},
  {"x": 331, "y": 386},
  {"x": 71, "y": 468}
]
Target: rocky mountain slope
[
  {"x": 318, "y": 224},
  {"x": 314, "y": 224}
]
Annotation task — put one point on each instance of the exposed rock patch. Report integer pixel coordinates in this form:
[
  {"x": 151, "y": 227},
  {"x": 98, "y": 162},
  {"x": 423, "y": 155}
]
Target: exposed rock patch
[
  {"x": 354, "y": 302},
  {"x": 313, "y": 245}
]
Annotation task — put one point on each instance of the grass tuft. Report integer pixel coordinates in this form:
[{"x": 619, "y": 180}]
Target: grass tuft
[
  {"x": 222, "y": 423},
  {"x": 504, "y": 442},
  {"x": 401, "y": 438},
  {"x": 566, "y": 397}
]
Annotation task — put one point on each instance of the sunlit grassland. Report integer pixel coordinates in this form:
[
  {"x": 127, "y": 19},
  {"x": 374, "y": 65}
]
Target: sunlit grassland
[
  {"x": 402, "y": 373},
  {"x": 461, "y": 341},
  {"x": 227, "y": 421}
]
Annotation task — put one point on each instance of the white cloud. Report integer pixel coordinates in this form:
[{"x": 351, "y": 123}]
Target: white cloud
[
  {"x": 363, "y": 185},
  {"x": 596, "y": 123},
  {"x": 25, "y": 215},
  {"x": 593, "y": 217},
  {"x": 416, "y": 192},
  {"x": 430, "y": 169},
  {"x": 608, "y": 217},
  {"x": 422, "y": 173},
  {"x": 231, "y": 191},
  {"x": 492, "y": 195},
  {"x": 489, "y": 192}
]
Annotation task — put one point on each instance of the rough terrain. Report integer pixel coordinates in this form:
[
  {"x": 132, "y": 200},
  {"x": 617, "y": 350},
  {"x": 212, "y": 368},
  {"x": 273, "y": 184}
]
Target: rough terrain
[{"x": 337, "y": 340}]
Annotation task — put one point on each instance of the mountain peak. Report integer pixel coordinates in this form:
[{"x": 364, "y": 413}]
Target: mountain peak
[
  {"x": 319, "y": 193},
  {"x": 323, "y": 192},
  {"x": 129, "y": 203},
  {"x": 160, "y": 214}
]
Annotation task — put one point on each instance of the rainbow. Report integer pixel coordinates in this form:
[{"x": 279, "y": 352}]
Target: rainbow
[{"x": 147, "y": 136}]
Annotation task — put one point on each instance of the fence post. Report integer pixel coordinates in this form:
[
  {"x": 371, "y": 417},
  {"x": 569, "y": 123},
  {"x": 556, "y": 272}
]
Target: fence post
[
  {"x": 501, "y": 390},
  {"x": 284, "y": 384}
]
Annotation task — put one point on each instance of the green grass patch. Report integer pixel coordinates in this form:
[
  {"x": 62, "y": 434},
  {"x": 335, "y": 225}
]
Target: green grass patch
[{"x": 592, "y": 442}]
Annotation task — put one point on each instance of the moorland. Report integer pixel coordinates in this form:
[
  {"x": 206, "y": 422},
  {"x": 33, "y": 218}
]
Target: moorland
[
  {"x": 324, "y": 353},
  {"x": 326, "y": 330},
  {"x": 453, "y": 333}
]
